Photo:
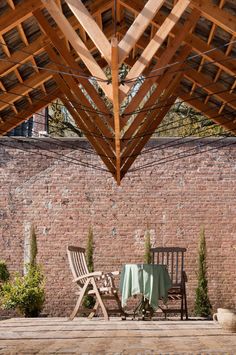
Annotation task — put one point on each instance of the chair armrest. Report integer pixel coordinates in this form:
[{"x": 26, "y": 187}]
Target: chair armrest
[
  {"x": 91, "y": 274},
  {"x": 113, "y": 273}
]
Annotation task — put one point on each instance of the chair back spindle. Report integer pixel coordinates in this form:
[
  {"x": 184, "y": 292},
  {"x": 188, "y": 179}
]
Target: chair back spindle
[
  {"x": 77, "y": 262},
  {"x": 173, "y": 258}
]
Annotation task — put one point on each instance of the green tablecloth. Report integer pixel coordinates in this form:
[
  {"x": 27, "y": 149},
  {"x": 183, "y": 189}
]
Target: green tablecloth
[{"x": 152, "y": 281}]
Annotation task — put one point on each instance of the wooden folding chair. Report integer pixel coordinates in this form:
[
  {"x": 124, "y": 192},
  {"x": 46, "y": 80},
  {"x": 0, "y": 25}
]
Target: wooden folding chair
[
  {"x": 98, "y": 284},
  {"x": 173, "y": 258}
]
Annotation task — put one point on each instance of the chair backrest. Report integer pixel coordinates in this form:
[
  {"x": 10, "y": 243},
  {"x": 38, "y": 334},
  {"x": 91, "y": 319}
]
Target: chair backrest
[
  {"x": 173, "y": 258},
  {"x": 77, "y": 262}
]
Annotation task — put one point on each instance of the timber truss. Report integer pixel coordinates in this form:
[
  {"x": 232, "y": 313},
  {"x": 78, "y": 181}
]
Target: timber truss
[{"x": 117, "y": 66}]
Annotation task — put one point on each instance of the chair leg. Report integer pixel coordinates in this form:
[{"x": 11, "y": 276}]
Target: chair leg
[
  {"x": 182, "y": 305},
  {"x": 75, "y": 311},
  {"x": 185, "y": 304},
  {"x": 119, "y": 304},
  {"x": 92, "y": 314},
  {"x": 99, "y": 299}
]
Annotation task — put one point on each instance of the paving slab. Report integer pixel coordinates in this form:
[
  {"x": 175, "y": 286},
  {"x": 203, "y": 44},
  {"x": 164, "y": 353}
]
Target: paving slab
[{"x": 44, "y": 336}]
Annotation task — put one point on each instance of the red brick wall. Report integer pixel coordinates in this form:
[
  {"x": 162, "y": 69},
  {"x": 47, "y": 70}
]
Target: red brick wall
[{"x": 62, "y": 199}]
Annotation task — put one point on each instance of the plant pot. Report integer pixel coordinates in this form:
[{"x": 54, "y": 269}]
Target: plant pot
[{"x": 226, "y": 319}]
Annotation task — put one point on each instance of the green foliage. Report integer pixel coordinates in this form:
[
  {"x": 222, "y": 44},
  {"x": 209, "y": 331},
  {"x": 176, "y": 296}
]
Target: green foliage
[
  {"x": 25, "y": 293},
  {"x": 61, "y": 123},
  {"x": 202, "y": 302},
  {"x": 4, "y": 273},
  {"x": 183, "y": 121},
  {"x": 89, "y": 301},
  {"x": 147, "y": 255}
]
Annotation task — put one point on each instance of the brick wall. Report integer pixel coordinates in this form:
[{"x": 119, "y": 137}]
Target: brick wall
[{"x": 62, "y": 199}]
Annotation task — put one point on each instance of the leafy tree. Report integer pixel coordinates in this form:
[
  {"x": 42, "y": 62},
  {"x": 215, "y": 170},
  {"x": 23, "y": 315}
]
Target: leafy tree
[{"x": 202, "y": 302}]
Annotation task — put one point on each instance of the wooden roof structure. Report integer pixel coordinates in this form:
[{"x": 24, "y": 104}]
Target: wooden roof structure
[{"x": 76, "y": 50}]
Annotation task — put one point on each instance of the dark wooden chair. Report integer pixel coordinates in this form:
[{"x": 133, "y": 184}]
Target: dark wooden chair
[
  {"x": 98, "y": 284},
  {"x": 173, "y": 258}
]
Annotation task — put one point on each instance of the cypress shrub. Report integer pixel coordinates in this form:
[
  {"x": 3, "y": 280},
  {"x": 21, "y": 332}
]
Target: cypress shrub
[
  {"x": 147, "y": 255},
  {"x": 202, "y": 302}
]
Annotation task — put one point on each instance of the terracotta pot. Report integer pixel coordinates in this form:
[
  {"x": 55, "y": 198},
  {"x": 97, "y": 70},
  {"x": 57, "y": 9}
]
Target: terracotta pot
[{"x": 226, "y": 318}]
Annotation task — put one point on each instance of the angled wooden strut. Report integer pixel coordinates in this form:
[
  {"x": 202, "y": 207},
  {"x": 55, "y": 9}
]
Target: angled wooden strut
[
  {"x": 157, "y": 40},
  {"x": 138, "y": 27},
  {"x": 69, "y": 60},
  {"x": 144, "y": 131},
  {"x": 91, "y": 27},
  {"x": 116, "y": 103},
  {"x": 162, "y": 63},
  {"x": 78, "y": 45}
]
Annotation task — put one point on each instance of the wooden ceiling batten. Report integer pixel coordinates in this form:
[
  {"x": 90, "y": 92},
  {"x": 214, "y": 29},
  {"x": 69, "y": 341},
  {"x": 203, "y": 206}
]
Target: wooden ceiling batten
[{"x": 152, "y": 38}]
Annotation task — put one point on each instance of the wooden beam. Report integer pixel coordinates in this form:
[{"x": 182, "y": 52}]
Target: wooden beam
[
  {"x": 162, "y": 62},
  {"x": 158, "y": 39},
  {"x": 79, "y": 46},
  {"x": 81, "y": 99},
  {"x": 150, "y": 126},
  {"x": 19, "y": 90},
  {"x": 164, "y": 83},
  {"x": 211, "y": 87},
  {"x": 91, "y": 139},
  {"x": 70, "y": 61},
  {"x": 138, "y": 27},
  {"x": 213, "y": 13},
  {"x": 91, "y": 27},
  {"x": 116, "y": 104},
  {"x": 15, "y": 16},
  {"x": 24, "y": 115},
  {"x": 84, "y": 122},
  {"x": 198, "y": 45},
  {"x": 207, "y": 111}
]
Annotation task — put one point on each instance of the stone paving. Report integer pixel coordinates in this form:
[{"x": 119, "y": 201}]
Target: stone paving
[{"x": 24, "y": 336}]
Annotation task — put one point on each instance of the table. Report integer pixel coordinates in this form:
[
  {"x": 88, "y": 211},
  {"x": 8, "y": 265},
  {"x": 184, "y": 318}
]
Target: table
[{"x": 152, "y": 281}]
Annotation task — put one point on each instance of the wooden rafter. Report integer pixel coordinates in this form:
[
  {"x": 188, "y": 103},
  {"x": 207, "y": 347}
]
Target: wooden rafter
[
  {"x": 23, "y": 115},
  {"x": 21, "y": 90},
  {"x": 69, "y": 60},
  {"x": 90, "y": 138},
  {"x": 81, "y": 100},
  {"x": 162, "y": 62},
  {"x": 116, "y": 103},
  {"x": 91, "y": 27},
  {"x": 211, "y": 113},
  {"x": 198, "y": 45},
  {"x": 139, "y": 25},
  {"x": 18, "y": 15},
  {"x": 163, "y": 87},
  {"x": 78, "y": 45},
  {"x": 157, "y": 40},
  {"x": 213, "y": 13},
  {"x": 150, "y": 126}
]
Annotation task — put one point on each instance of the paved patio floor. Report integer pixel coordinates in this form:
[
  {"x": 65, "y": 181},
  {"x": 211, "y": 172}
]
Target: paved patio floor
[{"x": 82, "y": 336}]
